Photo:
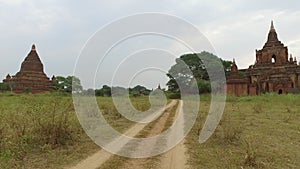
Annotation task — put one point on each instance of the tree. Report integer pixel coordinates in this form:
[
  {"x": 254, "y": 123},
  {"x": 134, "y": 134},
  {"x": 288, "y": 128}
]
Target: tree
[
  {"x": 139, "y": 90},
  {"x": 190, "y": 66},
  {"x": 68, "y": 84},
  {"x": 104, "y": 91},
  {"x": 4, "y": 87},
  {"x": 99, "y": 92}
]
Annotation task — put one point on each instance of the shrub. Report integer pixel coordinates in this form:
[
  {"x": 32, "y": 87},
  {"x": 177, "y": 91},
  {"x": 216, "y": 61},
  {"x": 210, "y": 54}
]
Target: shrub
[{"x": 174, "y": 96}]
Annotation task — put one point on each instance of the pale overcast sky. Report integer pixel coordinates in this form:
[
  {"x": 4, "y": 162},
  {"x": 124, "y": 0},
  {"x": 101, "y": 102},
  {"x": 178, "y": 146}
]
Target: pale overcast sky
[{"x": 60, "y": 28}]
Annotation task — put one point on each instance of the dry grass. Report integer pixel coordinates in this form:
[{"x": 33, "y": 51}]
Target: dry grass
[
  {"x": 42, "y": 131},
  {"x": 255, "y": 132}
]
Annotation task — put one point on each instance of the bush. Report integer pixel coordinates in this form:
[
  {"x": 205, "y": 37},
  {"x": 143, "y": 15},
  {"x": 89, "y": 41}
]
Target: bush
[{"x": 174, "y": 96}]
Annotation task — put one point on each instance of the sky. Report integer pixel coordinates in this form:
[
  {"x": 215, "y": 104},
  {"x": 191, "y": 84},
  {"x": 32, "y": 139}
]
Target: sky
[{"x": 61, "y": 28}]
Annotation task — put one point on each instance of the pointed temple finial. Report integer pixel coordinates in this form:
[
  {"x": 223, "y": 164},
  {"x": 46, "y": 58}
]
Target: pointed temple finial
[
  {"x": 33, "y": 47},
  {"x": 53, "y": 78},
  {"x": 234, "y": 67},
  {"x": 8, "y": 76},
  {"x": 272, "y": 26},
  {"x": 272, "y": 37}
]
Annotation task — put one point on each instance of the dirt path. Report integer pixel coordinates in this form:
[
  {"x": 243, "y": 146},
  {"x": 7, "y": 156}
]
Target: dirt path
[
  {"x": 96, "y": 160},
  {"x": 157, "y": 128},
  {"x": 176, "y": 158}
]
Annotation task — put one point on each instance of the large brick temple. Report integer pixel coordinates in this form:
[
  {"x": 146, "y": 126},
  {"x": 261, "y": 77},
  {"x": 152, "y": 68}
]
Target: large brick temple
[
  {"x": 273, "y": 71},
  {"x": 31, "y": 77}
]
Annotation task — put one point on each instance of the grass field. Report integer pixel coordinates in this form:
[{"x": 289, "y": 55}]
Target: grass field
[
  {"x": 42, "y": 131},
  {"x": 255, "y": 132}
]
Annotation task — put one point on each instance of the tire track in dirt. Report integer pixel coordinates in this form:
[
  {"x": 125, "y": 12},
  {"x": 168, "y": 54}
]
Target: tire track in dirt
[
  {"x": 176, "y": 158},
  {"x": 157, "y": 128},
  {"x": 96, "y": 160}
]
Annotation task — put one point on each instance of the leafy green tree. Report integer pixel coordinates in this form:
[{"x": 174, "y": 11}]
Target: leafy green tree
[
  {"x": 104, "y": 91},
  {"x": 139, "y": 90},
  {"x": 190, "y": 66},
  {"x": 99, "y": 92},
  {"x": 65, "y": 84},
  {"x": 121, "y": 91}
]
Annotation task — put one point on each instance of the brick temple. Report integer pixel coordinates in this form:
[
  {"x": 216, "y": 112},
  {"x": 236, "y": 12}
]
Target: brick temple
[
  {"x": 273, "y": 71},
  {"x": 31, "y": 77}
]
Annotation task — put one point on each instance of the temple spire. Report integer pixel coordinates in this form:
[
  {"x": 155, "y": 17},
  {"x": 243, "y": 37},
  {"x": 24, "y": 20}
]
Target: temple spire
[
  {"x": 33, "y": 47},
  {"x": 32, "y": 62},
  {"x": 272, "y": 26},
  {"x": 234, "y": 67},
  {"x": 272, "y": 37},
  {"x": 291, "y": 58}
]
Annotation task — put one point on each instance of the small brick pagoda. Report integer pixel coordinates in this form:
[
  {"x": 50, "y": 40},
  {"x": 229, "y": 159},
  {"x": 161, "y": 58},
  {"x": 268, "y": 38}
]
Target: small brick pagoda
[
  {"x": 31, "y": 77},
  {"x": 273, "y": 71}
]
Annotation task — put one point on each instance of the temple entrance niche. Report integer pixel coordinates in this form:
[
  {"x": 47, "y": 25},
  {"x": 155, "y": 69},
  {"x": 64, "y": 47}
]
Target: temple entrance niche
[
  {"x": 280, "y": 91},
  {"x": 273, "y": 59}
]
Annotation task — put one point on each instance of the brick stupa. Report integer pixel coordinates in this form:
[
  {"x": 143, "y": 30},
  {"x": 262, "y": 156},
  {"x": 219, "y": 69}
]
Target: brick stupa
[{"x": 31, "y": 77}]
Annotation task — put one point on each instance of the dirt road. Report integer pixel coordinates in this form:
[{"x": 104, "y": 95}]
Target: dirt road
[
  {"x": 173, "y": 159},
  {"x": 176, "y": 158}
]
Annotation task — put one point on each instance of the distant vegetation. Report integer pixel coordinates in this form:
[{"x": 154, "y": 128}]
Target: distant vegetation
[
  {"x": 4, "y": 87},
  {"x": 179, "y": 73},
  {"x": 119, "y": 91},
  {"x": 64, "y": 84}
]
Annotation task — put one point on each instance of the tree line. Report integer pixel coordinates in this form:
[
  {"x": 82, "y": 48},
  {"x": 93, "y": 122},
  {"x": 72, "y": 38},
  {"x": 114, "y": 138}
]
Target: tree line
[{"x": 186, "y": 68}]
